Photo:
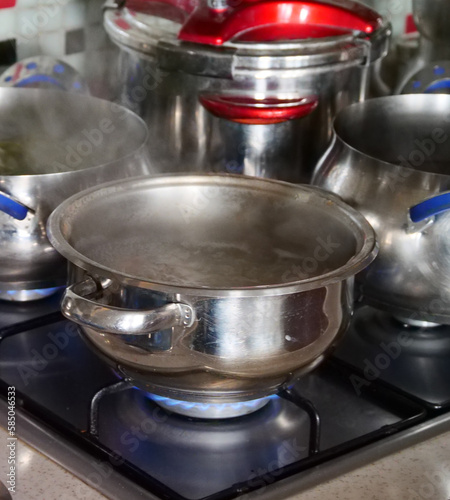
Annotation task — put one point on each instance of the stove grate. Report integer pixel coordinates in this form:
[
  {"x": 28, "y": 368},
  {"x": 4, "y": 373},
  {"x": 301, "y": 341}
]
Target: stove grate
[{"x": 411, "y": 413}]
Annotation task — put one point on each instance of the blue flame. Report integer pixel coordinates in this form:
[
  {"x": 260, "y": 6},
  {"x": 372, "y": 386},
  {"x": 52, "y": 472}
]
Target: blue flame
[
  {"x": 34, "y": 294},
  {"x": 216, "y": 407}
]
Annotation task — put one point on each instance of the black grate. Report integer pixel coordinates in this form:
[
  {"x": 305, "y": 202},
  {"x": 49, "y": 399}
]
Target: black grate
[{"x": 88, "y": 428}]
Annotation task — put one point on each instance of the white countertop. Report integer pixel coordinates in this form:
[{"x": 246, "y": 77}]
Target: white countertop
[
  {"x": 39, "y": 478},
  {"x": 420, "y": 472}
]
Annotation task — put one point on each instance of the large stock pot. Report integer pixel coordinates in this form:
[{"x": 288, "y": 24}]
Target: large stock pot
[
  {"x": 390, "y": 159},
  {"x": 52, "y": 145},
  {"x": 243, "y": 87},
  {"x": 217, "y": 288}
]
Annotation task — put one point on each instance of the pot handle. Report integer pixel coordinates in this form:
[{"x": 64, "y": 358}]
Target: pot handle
[
  {"x": 13, "y": 208},
  {"x": 243, "y": 109},
  {"x": 118, "y": 321},
  {"x": 430, "y": 207}
]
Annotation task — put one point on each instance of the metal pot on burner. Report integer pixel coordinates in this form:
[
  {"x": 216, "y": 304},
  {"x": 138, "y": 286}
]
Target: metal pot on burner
[
  {"x": 210, "y": 288},
  {"x": 389, "y": 159},
  {"x": 52, "y": 145}
]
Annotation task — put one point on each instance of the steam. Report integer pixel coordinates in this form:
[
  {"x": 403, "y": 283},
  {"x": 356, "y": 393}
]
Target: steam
[{"x": 44, "y": 131}]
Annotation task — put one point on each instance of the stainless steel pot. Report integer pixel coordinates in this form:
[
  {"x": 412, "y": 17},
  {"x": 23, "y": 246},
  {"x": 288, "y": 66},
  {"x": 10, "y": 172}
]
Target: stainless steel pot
[
  {"x": 244, "y": 87},
  {"x": 44, "y": 72},
  {"x": 389, "y": 155},
  {"x": 210, "y": 288},
  {"x": 424, "y": 56},
  {"x": 432, "y": 19},
  {"x": 52, "y": 145}
]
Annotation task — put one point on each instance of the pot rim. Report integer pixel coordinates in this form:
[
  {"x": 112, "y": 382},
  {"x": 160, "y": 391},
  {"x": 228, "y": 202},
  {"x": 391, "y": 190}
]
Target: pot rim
[
  {"x": 373, "y": 102},
  {"x": 66, "y": 173},
  {"x": 361, "y": 259}
]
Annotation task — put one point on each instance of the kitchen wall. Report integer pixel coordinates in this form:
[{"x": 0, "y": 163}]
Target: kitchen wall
[{"x": 70, "y": 30}]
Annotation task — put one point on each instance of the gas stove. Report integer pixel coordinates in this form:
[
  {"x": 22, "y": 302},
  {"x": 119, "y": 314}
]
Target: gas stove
[{"x": 387, "y": 386}]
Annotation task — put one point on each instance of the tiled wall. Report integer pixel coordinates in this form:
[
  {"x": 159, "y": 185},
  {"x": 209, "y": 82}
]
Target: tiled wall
[{"x": 70, "y": 30}]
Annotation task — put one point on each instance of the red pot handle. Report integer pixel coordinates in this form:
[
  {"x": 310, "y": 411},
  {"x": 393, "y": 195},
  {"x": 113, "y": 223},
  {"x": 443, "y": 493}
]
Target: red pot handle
[
  {"x": 253, "y": 111},
  {"x": 7, "y": 4}
]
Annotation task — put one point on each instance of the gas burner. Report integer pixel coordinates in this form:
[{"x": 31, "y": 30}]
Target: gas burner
[
  {"x": 28, "y": 295},
  {"x": 209, "y": 411}
]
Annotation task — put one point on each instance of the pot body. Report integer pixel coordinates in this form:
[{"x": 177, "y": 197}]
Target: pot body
[
  {"x": 217, "y": 316},
  {"x": 164, "y": 81},
  {"x": 97, "y": 142},
  {"x": 388, "y": 155},
  {"x": 238, "y": 349},
  {"x": 188, "y": 138},
  {"x": 424, "y": 55}
]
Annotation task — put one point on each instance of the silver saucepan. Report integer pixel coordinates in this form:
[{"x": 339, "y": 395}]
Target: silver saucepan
[
  {"x": 52, "y": 145},
  {"x": 390, "y": 159},
  {"x": 210, "y": 287}
]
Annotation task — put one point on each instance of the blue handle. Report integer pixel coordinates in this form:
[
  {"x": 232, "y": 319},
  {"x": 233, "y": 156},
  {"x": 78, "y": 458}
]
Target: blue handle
[
  {"x": 39, "y": 79},
  {"x": 430, "y": 207},
  {"x": 439, "y": 85},
  {"x": 12, "y": 208}
]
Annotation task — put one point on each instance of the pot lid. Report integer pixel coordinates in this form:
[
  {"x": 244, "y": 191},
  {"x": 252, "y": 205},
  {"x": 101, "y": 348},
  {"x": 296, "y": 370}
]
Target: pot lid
[
  {"x": 203, "y": 36},
  {"x": 216, "y": 22}
]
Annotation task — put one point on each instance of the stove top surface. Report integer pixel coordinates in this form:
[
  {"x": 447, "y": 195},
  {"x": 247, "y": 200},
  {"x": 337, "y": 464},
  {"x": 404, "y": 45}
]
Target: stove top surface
[
  {"x": 383, "y": 379},
  {"x": 414, "y": 360}
]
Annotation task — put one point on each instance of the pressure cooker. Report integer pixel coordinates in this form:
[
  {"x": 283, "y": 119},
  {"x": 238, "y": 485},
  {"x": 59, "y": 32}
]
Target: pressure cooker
[{"x": 243, "y": 86}]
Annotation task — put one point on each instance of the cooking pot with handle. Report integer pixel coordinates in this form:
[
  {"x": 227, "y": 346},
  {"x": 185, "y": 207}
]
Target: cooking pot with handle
[
  {"x": 210, "y": 287},
  {"x": 52, "y": 145},
  {"x": 390, "y": 160}
]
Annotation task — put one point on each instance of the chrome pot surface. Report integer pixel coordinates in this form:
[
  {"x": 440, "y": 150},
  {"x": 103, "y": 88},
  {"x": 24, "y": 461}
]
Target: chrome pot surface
[
  {"x": 207, "y": 106},
  {"x": 212, "y": 287},
  {"x": 390, "y": 159},
  {"x": 52, "y": 145}
]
